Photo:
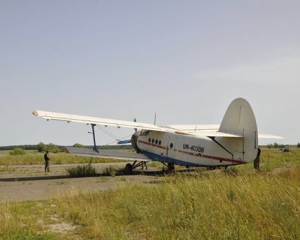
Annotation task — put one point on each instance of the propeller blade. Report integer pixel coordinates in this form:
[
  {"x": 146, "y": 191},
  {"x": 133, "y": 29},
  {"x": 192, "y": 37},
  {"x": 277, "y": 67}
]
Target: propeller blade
[{"x": 124, "y": 141}]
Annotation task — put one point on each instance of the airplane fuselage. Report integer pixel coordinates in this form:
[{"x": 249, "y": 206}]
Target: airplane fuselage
[{"x": 188, "y": 150}]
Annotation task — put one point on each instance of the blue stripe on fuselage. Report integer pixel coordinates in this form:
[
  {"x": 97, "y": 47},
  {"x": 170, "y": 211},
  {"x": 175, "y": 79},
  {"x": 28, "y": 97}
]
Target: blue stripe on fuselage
[{"x": 159, "y": 158}]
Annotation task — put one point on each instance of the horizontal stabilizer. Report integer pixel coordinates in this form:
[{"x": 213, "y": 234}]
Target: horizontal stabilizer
[{"x": 217, "y": 134}]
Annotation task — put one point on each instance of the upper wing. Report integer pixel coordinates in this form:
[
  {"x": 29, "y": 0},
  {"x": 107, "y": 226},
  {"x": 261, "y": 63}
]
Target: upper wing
[
  {"x": 94, "y": 120},
  {"x": 211, "y": 130},
  {"x": 269, "y": 136},
  {"x": 199, "y": 129}
]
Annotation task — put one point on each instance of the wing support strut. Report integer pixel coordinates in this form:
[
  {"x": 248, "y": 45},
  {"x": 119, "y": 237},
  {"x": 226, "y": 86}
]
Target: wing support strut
[
  {"x": 94, "y": 138},
  {"x": 214, "y": 139}
]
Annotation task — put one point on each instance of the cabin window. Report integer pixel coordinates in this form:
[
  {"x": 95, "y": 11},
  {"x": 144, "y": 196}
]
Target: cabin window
[
  {"x": 159, "y": 142},
  {"x": 171, "y": 145},
  {"x": 156, "y": 141},
  {"x": 152, "y": 140},
  {"x": 149, "y": 140}
]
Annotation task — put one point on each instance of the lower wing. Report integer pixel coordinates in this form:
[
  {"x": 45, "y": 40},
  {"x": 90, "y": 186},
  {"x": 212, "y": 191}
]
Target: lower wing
[{"x": 87, "y": 152}]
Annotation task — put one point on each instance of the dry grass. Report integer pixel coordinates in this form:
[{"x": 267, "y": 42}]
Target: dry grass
[
  {"x": 209, "y": 206},
  {"x": 193, "y": 205},
  {"x": 34, "y": 157}
]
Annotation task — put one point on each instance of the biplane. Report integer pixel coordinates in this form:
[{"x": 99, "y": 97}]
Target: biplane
[{"x": 233, "y": 142}]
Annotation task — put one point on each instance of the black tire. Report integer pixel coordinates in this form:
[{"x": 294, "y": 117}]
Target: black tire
[
  {"x": 171, "y": 167},
  {"x": 128, "y": 168}
]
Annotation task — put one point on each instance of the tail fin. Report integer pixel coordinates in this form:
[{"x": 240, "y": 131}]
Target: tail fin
[{"x": 239, "y": 119}]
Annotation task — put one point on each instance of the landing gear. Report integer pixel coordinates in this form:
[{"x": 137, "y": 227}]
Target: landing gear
[
  {"x": 144, "y": 164},
  {"x": 129, "y": 167},
  {"x": 171, "y": 167}
]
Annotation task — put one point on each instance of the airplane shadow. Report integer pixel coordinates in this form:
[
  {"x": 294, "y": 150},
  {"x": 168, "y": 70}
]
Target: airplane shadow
[
  {"x": 56, "y": 177},
  {"x": 34, "y": 178},
  {"x": 154, "y": 173}
]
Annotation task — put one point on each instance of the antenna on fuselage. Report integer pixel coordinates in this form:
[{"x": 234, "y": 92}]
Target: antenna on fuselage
[
  {"x": 155, "y": 119},
  {"x": 135, "y": 129}
]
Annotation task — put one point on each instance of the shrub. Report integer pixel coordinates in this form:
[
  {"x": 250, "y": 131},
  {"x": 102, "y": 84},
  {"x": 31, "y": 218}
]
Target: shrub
[
  {"x": 81, "y": 171},
  {"x": 54, "y": 148},
  {"x": 110, "y": 171},
  {"x": 78, "y": 145},
  {"x": 17, "y": 151},
  {"x": 41, "y": 147}
]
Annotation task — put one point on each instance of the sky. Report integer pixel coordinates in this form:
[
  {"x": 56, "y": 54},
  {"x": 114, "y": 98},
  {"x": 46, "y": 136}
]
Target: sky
[{"x": 181, "y": 61}]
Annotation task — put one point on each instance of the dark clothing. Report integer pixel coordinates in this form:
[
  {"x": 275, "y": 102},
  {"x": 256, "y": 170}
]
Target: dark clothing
[
  {"x": 46, "y": 156},
  {"x": 47, "y": 160},
  {"x": 257, "y": 160}
]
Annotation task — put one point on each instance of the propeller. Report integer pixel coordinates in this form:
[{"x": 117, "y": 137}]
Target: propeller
[{"x": 124, "y": 141}]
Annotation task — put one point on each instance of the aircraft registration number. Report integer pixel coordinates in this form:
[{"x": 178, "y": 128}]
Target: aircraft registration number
[{"x": 193, "y": 148}]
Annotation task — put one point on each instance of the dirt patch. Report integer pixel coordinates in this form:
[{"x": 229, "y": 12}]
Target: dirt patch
[
  {"x": 62, "y": 227},
  {"x": 30, "y": 182}
]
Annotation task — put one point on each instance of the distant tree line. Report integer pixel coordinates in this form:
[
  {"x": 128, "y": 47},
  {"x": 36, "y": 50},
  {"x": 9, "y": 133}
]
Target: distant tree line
[
  {"x": 276, "y": 145},
  {"x": 42, "y": 147},
  {"x": 25, "y": 147}
]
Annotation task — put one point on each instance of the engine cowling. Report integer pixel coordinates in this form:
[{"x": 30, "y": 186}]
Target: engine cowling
[{"x": 134, "y": 139}]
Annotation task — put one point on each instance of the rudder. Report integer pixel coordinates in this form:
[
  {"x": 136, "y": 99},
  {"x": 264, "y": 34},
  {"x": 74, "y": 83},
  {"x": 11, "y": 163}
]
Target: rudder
[{"x": 239, "y": 119}]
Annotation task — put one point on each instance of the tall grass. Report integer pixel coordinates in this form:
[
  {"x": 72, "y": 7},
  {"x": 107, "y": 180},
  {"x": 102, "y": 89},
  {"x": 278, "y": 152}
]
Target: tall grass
[
  {"x": 195, "y": 206},
  {"x": 86, "y": 170},
  {"x": 218, "y": 206},
  {"x": 24, "y": 221},
  {"x": 236, "y": 204}
]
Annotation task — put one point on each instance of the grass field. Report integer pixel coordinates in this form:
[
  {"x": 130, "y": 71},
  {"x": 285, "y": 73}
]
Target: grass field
[
  {"x": 235, "y": 204},
  {"x": 35, "y": 157}
]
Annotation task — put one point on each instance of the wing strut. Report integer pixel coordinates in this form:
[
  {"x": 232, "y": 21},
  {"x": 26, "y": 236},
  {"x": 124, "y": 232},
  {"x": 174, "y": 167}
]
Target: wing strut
[
  {"x": 94, "y": 138},
  {"x": 213, "y": 138}
]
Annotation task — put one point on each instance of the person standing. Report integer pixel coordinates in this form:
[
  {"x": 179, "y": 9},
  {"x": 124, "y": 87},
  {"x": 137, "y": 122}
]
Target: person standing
[
  {"x": 257, "y": 160},
  {"x": 47, "y": 161}
]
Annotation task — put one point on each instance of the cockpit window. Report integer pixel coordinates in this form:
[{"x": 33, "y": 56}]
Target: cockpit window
[{"x": 144, "y": 132}]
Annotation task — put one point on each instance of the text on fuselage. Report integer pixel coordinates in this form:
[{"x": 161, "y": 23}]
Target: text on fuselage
[{"x": 194, "y": 148}]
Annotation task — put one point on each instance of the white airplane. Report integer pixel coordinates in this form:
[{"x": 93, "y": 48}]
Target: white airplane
[{"x": 233, "y": 142}]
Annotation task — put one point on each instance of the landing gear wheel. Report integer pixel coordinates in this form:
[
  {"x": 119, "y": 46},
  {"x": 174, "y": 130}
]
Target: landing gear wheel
[
  {"x": 171, "y": 167},
  {"x": 128, "y": 169}
]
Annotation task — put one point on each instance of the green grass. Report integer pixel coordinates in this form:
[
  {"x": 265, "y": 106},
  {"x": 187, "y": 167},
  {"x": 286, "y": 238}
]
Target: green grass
[
  {"x": 24, "y": 221},
  {"x": 86, "y": 170},
  {"x": 235, "y": 204},
  {"x": 252, "y": 206},
  {"x": 34, "y": 157},
  {"x": 192, "y": 206}
]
